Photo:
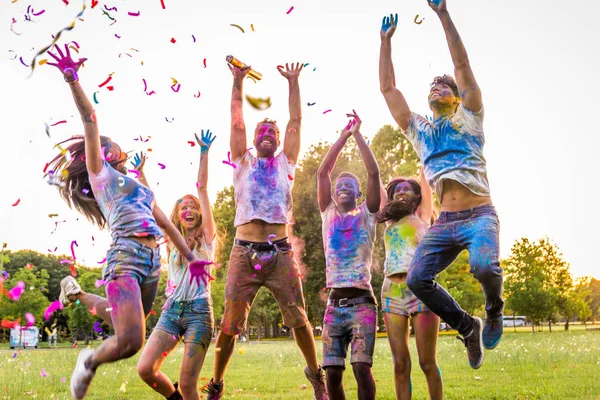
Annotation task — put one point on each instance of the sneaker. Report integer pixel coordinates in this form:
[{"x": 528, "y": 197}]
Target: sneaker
[
  {"x": 317, "y": 380},
  {"x": 492, "y": 332},
  {"x": 473, "y": 344},
  {"x": 214, "y": 390},
  {"x": 82, "y": 376},
  {"x": 68, "y": 287},
  {"x": 177, "y": 394}
]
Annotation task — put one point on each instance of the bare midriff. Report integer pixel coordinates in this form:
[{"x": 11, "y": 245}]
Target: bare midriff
[
  {"x": 149, "y": 241},
  {"x": 258, "y": 230},
  {"x": 456, "y": 197}
]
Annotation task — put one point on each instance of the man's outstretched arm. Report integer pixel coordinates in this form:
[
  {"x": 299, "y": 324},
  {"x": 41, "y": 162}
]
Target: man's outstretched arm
[
  {"x": 470, "y": 94},
  {"x": 387, "y": 83},
  {"x": 237, "y": 140},
  {"x": 327, "y": 165},
  {"x": 291, "y": 143}
]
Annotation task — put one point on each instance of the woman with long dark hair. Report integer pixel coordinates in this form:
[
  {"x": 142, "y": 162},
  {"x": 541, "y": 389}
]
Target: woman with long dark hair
[
  {"x": 187, "y": 314},
  {"x": 90, "y": 175},
  {"x": 407, "y": 211}
]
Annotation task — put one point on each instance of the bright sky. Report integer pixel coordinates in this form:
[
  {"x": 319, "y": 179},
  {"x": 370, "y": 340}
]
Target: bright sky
[{"x": 536, "y": 64}]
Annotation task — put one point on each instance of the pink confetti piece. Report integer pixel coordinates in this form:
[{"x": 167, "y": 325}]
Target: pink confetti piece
[
  {"x": 12, "y": 30},
  {"x": 74, "y": 243},
  {"x": 197, "y": 96},
  {"x": 134, "y": 14},
  {"x": 103, "y": 261},
  {"x": 290, "y": 10},
  {"x": 100, "y": 282},
  {"x": 162, "y": 166},
  {"x": 55, "y": 305},
  {"x": 15, "y": 293},
  {"x": 135, "y": 172},
  {"x": 16, "y": 203},
  {"x": 63, "y": 380},
  {"x": 257, "y": 267},
  {"x": 145, "y": 85},
  {"x": 37, "y": 14},
  {"x": 229, "y": 160},
  {"x": 151, "y": 93},
  {"x": 30, "y": 320},
  {"x": 269, "y": 238},
  {"x": 117, "y": 36},
  {"x": 198, "y": 271},
  {"x": 43, "y": 373},
  {"x": 145, "y": 224},
  {"x": 326, "y": 111},
  {"x": 66, "y": 261},
  {"x": 59, "y": 122},
  {"x": 176, "y": 89},
  {"x": 111, "y": 8}
]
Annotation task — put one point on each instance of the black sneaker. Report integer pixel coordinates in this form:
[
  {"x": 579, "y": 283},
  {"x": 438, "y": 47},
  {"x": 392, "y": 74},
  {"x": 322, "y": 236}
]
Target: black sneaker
[
  {"x": 177, "y": 394},
  {"x": 492, "y": 332},
  {"x": 473, "y": 344},
  {"x": 213, "y": 390}
]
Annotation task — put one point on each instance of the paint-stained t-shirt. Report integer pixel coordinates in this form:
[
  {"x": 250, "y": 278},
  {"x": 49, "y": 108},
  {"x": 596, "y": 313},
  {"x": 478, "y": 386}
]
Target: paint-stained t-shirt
[
  {"x": 125, "y": 203},
  {"x": 263, "y": 189},
  {"x": 179, "y": 285},
  {"x": 451, "y": 148},
  {"x": 401, "y": 239},
  {"x": 348, "y": 241}
]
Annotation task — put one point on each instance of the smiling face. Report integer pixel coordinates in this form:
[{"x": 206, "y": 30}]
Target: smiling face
[
  {"x": 442, "y": 96},
  {"x": 347, "y": 190},
  {"x": 266, "y": 139},
  {"x": 189, "y": 214},
  {"x": 404, "y": 191}
]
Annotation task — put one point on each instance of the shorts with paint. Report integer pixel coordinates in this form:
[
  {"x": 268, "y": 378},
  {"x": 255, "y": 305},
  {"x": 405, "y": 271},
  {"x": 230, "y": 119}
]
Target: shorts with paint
[
  {"x": 128, "y": 257},
  {"x": 397, "y": 298},
  {"x": 191, "y": 321}
]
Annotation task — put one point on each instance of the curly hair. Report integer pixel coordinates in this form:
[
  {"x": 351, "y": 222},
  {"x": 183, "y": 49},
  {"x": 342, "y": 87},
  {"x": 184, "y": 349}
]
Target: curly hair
[
  {"x": 69, "y": 172},
  {"x": 446, "y": 80},
  {"x": 395, "y": 210}
]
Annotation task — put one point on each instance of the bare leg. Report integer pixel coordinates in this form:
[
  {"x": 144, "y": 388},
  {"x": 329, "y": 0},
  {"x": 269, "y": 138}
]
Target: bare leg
[
  {"x": 365, "y": 381},
  {"x": 306, "y": 341},
  {"x": 125, "y": 301},
  {"x": 335, "y": 384},
  {"x": 152, "y": 358},
  {"x": 397, "y": 327},
  {"x": 193, "y": 359},
  {"x": 223, "y": 351},
  {"x": 426, "y": 326}
]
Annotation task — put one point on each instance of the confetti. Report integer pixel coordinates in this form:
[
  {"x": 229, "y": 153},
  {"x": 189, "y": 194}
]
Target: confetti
[
  {"x": 229, "y": 160},
  {"x": 94, "y": 3},
  {"x": 100, "y": 282},
  {"x": 11, "y": 27},
  {"x": 110, "y": 9},
  {"x": 30, "y": 320},
  {"x": 290, "y": 10},
  {"x": 55, "y": 305},
  {"x": 95, "y": 99},
  {"x": 74, "y": 243},
  {"x": 59, "y": 122},
  {"x": 106, "y": 81},
  {"x": 102, "y": 261},
  {"x": 191, "y": 143},
  {"x": 204, "y": 63},
  {"x": 291, "y": 178},
  {"x": 325, "y": 112},
  {"x": 117, "y": 36},
  {"x": 311, "y": 104},
  {"x": 162, "y": 3},
  {"x": 23, "y": 62},
  {"x": 66, "y": 261},
  {"x": 15, "y": 57},
  {"x": 419, "y": 22},
  {"x": 97, "y": 327},
  {"x": 167, "y": 119},
  {"x": 257, "y": 267},
  {"x": 252, "y": 27},
  {"x": 37, "y": 14},
  {"x": 193, "y": 37},
  {"x": 162, "y": 166},
  {"x": 173, "y": 40},
  {"x": 269, "y": 238},
  {"x": 145, "y": 84},
  {"x": 16, "y": 292},
  {"x": 16, "y": 203},
  {"x": 73, "y": 271},
  {"x": 259, "y": 104},
  {"x": 135, "y": 172},
  {"x": 134, "y": 14},
  {"x": 92, "y": 311},
  {"x": 152, "y": 312},
  {"x": 239, "y": 27},
  {"x": 43, "y": 373},
  {"x": 151, "y": 93},
  {"x": 176, "y": 90},
  {"x": 57, "y": 36},
  {"x": 198, "y": 95}
]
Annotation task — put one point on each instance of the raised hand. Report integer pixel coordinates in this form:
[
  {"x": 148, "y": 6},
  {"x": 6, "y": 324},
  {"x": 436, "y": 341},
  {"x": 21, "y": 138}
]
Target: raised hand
[
  {"x": 437, "y": 5},
  {"x": 355, "y": 123},
  {"x": 65, "y": 63},
  {"x": 291, "y": 72},
  {"x": 388, "y": 26},
  {"x": 205, "y": 140},
  {"x": 139, "y": 159}
]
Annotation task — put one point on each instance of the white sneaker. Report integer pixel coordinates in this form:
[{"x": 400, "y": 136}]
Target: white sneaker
[
  {"x": 82, "y": 376},
  {"x": 68, "y": 287}
]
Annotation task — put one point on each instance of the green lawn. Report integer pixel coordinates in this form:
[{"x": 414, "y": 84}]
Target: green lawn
[{"x": 560, "y": 365}]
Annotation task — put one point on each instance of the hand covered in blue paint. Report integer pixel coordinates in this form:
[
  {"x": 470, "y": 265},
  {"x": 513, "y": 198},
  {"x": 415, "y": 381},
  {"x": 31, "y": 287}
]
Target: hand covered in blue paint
[
  {"x": 388, "y": 26},
  {"x": 138, "y": 162},
  {"x": 438, "y": 6},
  {"x": 205, "y": 140}
]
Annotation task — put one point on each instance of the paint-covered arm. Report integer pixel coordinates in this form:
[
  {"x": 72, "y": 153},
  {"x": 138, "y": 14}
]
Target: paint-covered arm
[
  {"x": 373, "y": 197},
  {"x": 383, "y": 200},
  {"x": 208, "y": 222},
  {"x": 327, "y": 165},
  {"x": 237, "y": 141},
  {"x": 173, "y": 234},
  {"x": 291, "y": 143},
  {"x": 426, "y": 206},
  {"x": 387, "y": 82},
  {"x": 470, "y": 94}
]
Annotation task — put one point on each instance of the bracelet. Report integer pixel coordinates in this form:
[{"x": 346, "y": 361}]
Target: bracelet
[{"x": 72, "y": 79}]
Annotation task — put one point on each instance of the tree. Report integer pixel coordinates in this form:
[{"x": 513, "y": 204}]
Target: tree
[
  {"x": 594, "y": 298},
  {"x": 537, "y": 280}
]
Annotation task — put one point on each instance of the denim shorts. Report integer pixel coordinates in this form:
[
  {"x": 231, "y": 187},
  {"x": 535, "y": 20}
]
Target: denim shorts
[
  {"x": 397, "y": 298},
  {"x": 355, "y": 326},
  {"x": 191, "y": 321},
  {"x": 128, "y": 257}
]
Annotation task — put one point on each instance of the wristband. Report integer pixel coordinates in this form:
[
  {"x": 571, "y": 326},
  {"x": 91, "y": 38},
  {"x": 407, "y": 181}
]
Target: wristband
[{"x": 72, "y": 79}]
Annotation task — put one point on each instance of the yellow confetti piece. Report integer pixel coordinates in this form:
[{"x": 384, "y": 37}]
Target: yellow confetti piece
[
  {"x": 174, "y": 81},
  {"x": 42, "y": 62}
]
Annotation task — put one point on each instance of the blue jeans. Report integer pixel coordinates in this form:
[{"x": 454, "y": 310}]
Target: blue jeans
[
  {"x": 476, "y": 230},
  {"x": 190, "y": 320}
]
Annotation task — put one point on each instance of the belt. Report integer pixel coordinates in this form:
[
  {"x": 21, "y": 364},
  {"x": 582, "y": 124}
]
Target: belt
[
  {"x": 281, "y": 244},
  {"x": 346, "y": 302}
]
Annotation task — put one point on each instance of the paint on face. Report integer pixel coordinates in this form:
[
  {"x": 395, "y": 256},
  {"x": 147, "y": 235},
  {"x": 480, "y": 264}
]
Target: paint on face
[
  {"x": 189, "y": 214},
  {"x": 404, "y": 190},
  {"x": 441, "y": 95},
  {"x": 266, "y": 140},
  {"x": 346, "y": 190}
]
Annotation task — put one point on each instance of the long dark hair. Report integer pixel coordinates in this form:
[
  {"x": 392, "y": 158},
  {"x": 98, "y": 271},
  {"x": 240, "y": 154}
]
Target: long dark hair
[
  {"x": 395, "y": 210},
  {"x": 69, "y": 172}
]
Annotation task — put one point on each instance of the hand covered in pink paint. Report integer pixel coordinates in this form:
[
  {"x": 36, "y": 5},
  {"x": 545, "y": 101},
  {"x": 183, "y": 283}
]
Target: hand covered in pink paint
[
  {"x": 199, "y": 271},
  {"x": 65, "y": 64},
  {"x": 292, "y": 72},
  {"x": 355, "y": 123}
]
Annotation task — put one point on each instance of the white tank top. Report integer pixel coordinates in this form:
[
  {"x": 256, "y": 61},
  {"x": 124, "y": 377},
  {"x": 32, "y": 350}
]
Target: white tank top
[{"x": 401, "y": 239}]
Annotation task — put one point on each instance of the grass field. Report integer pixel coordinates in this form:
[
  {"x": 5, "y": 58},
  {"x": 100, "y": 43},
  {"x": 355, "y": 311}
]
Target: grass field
[{"x": 557, "y": 365}]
